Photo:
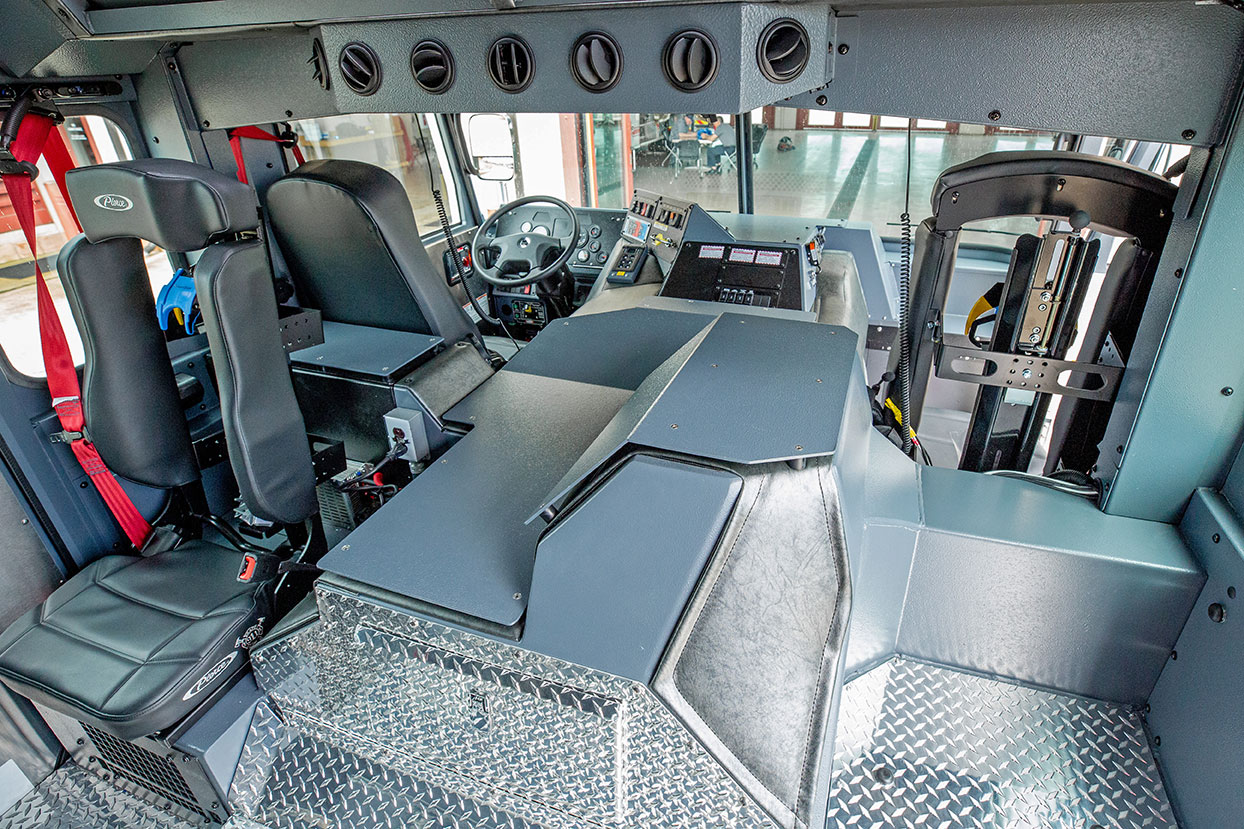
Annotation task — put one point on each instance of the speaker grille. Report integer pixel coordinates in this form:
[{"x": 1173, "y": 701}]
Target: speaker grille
[
  {"x": 360, "y": 68},
  {"x": 783, "y": 50},
  {"x": 510, "y": 64},
  {"x": 690, "y": 60}
]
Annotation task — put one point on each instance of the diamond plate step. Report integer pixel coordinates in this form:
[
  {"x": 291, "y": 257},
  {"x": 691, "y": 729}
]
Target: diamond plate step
[
  {"x": 920, "y": 746},
  {"x": 73, "y": 798}
]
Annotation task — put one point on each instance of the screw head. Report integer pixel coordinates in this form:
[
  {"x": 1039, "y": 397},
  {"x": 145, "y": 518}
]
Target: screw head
[
  {"x": 1034, "y": 338},
  {"x": 1227, "y": 391},
  {"x": 1188, "y": 135},
  {"x": 843, "y": 48},
  {"x": 1026, "y": 373},
  {"x": 995, "y": 115},
  {"x": 821, "y": 100},
  {"x": 1046, "y": 296},
  {"x": 1217, "y": 613}
]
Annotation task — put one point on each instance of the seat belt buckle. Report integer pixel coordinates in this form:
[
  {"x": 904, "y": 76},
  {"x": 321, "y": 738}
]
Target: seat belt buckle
[
  {"x": 10, "y": 166},
  {"x": 258, "y": 567},
  {"x": 67, "y": 437}
]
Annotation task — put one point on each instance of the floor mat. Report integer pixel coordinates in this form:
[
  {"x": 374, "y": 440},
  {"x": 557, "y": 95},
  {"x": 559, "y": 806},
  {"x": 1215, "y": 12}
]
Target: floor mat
[
  {"x": 920, "y": 746},
  {"x": 73, "y": 798}
]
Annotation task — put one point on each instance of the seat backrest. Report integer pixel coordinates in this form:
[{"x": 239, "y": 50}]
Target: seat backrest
[
  {"x": 130, "y": 394},
  {"x": 349, "y": 238},
  {"x": 130, "y": 401}
]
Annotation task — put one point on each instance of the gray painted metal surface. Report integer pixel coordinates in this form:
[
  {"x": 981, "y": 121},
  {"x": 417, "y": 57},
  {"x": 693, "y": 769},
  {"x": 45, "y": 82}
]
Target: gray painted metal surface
[
  {"x": 520, "y": 736},
  {"x": 734, "y": 394},
  {"x": 755, "y": 390},
  {"x": 1197, "y": 708},
  {"x": 959, "y": 64},
  {"x": 360, "y": 351},
  {"x": 218, "y": 734},
  {"x": 455, "y": 536},
  {"x": 73, "y": 798},
  {"x": 1020, "y": 581},
  {"x": 920, "y": 746},
  {"x": 1187, "y": 424},
  {"x": 612, "y": 578}
]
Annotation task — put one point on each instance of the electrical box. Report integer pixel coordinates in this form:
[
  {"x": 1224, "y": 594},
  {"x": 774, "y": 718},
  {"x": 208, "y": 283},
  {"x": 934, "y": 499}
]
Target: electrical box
[{"x": 407, "y": 424}]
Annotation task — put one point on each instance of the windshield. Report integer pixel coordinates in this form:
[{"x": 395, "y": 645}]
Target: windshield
[{"x": 805, "y": 163}]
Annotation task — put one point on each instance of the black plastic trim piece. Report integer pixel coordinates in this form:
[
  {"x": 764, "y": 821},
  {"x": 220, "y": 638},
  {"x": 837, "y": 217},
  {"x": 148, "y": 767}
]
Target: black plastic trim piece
[
  {"x": 427, "y": 58},
  {"x": 783, "y": 61},
  {"x": 511, "y": 64},
  {"x": 360, "y": 68},
  {"x": 679, "y": 63},
  {"x": 584, "y": 59}
]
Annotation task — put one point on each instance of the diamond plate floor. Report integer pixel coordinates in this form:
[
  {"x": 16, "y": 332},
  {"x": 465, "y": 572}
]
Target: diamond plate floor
[
  {"x": 73, "y": 798},
  {"x": 923, "y": 746}
]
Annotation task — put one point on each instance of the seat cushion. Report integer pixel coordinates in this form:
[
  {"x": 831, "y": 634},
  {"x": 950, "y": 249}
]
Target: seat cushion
[{"x": 132, "y": 645}]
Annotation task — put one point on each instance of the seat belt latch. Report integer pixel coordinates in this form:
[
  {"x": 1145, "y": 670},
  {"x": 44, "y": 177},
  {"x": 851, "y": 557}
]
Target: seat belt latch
[
  {"x": 10, "y": 166},
  {"x": 67, "y": 437}
]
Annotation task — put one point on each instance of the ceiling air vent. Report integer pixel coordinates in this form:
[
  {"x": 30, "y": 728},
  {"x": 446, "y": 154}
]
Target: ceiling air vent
[
  {"x": 596, "y": 61},
  {"x": 783, "y": 50},
  {"x": 319, "y": 64},
  {"x": 432, "y": 66},
  {"x": 510, "y": 64},
  {"x": 690, "y": 60},
  {"x": 360, "y": 68}
]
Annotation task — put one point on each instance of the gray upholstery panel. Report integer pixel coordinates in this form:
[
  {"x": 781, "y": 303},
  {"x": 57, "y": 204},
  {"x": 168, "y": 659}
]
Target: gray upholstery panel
[
  {"x": 350, "y": 240},
  {"x": 176, "y": 204},
  {"x": 754, "y": 667},
  {"x": 267, "y": 438},
  {"x": 130, "y": 401}
]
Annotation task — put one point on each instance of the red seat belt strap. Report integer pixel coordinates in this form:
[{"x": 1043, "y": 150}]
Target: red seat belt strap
[
  {"x": 235, "y": 143},
  {"x": 36, "y": 137}
]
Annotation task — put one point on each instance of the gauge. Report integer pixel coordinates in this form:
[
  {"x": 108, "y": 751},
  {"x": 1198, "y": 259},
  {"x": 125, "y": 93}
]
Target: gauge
[
  {"x": 601, "y": 257},
  {"x": 584, "y": 256},
  {"x": 594, "y": 230},
  {"x": 525, "y": 227},
  {"x": 595, "y": 246},
  {"x": 540, "y": 229},
  {"x": 582, "y": 239}
]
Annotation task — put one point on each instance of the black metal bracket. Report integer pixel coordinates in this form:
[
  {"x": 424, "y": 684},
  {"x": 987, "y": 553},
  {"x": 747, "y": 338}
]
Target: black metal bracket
[{"x": 1030, "y": 373}]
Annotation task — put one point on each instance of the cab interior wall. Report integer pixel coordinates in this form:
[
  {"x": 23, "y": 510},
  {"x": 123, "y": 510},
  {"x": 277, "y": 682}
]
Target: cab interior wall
[{"x": 947, "y": 566}]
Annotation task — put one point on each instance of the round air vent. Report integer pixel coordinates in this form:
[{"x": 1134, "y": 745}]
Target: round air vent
[
  {"x": 596, "y": 61},
  {"x": 319, "y": 64},
  {"x": 360, "y": 68},
  {"x": 783, "y": 50},
  {"x": 690, "y": 60},
  {"x": 510, "y": 64},
  {"x": 432, "y": 66}
]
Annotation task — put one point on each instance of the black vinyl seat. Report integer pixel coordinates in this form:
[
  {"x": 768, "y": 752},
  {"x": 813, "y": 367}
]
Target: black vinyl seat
[
  {"x": 349, "y": 238},
  {"x": 132, "y": 644}
]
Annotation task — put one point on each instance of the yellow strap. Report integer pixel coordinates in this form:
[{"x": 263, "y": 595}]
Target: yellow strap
[
  {"x": 982, "y": 307},
  {"x": 898, "y": 415}
]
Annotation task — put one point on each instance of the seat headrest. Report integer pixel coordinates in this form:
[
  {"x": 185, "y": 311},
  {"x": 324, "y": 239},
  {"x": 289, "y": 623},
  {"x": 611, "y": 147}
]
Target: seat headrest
[{"x": 178, "y": 205}]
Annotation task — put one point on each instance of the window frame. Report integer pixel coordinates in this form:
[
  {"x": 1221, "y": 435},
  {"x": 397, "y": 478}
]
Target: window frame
[{"x": 120, "y": 115}]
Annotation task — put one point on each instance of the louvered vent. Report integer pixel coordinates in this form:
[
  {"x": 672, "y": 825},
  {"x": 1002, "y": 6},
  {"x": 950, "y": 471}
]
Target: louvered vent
[
  {"x": 783, "y": 50},
  {"x": 360, "y": 68},
  {"x": 596, "y": 61},
  {"x": 319, "y": 64},
  {"x": 510, "y": 64},
  {"x": 432, "y": 66},
  {"x": 690, "y": 60}
]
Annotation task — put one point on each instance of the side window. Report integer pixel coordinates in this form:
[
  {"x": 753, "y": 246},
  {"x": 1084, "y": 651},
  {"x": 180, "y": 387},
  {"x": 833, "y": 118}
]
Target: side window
[
  {"x": 92, "y": 139},
  {"x": 408, "y": 146}
]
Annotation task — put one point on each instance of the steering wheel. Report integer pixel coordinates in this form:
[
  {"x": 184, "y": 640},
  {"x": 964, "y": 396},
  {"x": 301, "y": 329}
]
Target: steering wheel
[{"x": 523, "y": 253}]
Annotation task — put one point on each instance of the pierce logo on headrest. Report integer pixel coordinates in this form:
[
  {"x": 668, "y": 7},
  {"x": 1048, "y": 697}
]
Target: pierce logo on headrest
[{"x": 110, "y": 201}]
